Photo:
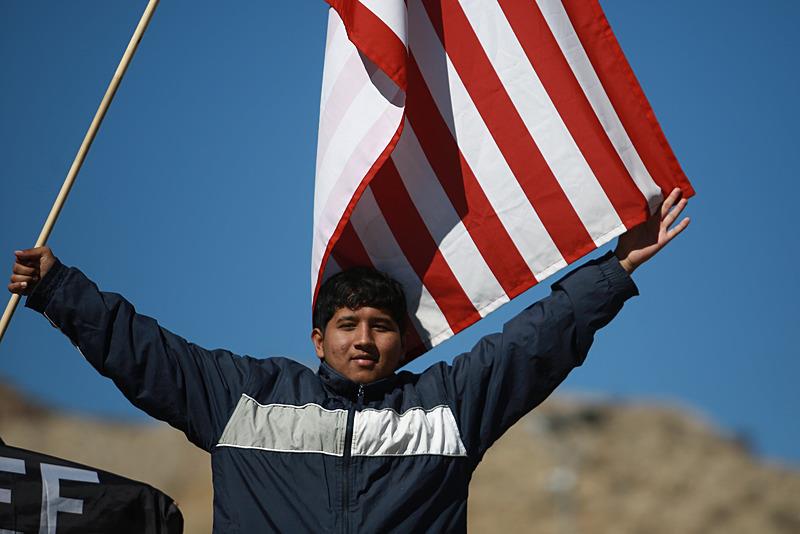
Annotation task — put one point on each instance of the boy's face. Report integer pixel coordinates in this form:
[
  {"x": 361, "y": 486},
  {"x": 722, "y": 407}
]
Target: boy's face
[{"x": 364, "y": 345}]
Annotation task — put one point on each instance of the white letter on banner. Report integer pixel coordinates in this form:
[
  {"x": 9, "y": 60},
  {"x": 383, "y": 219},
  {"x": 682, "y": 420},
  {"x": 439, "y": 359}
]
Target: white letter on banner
[
  {"x": 10, "y": 465},
  {"x": 52, "y": 502}
]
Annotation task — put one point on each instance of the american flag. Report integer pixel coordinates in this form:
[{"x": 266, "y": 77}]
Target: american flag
[{"x": 472, "y": 148}]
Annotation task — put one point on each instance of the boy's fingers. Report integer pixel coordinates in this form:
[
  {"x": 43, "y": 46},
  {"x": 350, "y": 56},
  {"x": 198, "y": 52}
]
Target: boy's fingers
[
  {"x": 31, "y": 253},
  {"x": 673, "y": 214},
  {"x": 670, "y": 201},
  {"x": 19, "y": 278},
  {"x": 22, "y": 269},
  {"x": 28, "y": 263},
  {"x": 31, "y": 257},
  {"x": 18, "y": 288},
  {"x": 666, "y": 205},
  {"x": 678, "y": 228}
]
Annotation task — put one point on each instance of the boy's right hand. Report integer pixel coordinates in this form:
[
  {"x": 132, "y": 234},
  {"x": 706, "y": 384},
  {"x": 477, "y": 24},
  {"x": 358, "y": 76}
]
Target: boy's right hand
[{"x": 29, "y": 268}]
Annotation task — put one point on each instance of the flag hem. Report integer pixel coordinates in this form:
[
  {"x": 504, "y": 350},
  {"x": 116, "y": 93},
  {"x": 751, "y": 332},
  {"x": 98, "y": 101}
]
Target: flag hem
[{"x": 636, "y": 90}]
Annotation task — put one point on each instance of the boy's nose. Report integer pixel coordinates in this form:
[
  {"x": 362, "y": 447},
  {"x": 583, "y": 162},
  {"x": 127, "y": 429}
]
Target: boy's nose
[{"x": 364, "y": 335}]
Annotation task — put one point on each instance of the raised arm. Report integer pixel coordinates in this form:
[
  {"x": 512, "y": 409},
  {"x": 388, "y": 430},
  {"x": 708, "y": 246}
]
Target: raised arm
[
  {"x": 191, "y": 388},
  {"x": 509, "y": 373}
]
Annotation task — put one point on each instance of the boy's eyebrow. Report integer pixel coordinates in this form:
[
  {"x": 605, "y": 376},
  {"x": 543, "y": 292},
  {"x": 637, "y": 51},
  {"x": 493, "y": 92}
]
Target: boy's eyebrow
[
  {"x": 374, "y": 320},
  {"x": 385, "y": 321}
]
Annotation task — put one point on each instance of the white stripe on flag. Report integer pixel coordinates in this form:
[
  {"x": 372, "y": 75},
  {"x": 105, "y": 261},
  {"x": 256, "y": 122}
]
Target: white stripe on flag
[
  {"x": 328, "y": 210},
  {"x": 343, "y": 93},
  {"x": 355, "y": 128},
  {"x": 337, "y": 51},
  {"x": 480, "y": 150},
  {"x": 541, "y": 118},
  {"x": 367, "y": 108},
  {"x": 445, "y": 226},
  {"x": 386, "y": 255},
  {"x": 561, "y": 27}
]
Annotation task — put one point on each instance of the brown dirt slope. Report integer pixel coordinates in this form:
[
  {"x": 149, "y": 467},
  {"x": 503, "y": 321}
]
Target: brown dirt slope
[{"x": 570, "y": 467}]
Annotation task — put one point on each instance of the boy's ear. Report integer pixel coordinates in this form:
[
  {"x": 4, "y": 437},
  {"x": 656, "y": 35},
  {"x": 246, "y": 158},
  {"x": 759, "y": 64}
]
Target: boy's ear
[{"x": 316, "y": 338}]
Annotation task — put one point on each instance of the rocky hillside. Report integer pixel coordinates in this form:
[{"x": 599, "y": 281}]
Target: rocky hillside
[{"x": 572, "y": 466}]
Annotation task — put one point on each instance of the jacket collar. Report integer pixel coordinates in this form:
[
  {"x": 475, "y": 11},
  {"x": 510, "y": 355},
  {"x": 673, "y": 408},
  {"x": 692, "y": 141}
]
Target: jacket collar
[{"x": 345, "y": 387}]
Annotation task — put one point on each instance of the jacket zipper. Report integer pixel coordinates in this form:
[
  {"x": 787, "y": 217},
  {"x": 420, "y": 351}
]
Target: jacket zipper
[{"x": 348, "y": 446}]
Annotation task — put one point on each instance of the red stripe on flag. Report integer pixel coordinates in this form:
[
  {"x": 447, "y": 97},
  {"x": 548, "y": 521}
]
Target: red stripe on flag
[
  {"x": 420, "y": 249},
  {"x": 508, "y": 129},
  {"x": 626, "y": 95},
  {"x": 374, "y": 38},
  {"x": 463, "y": 189},
  {"x": 350, "y": 252},
  {"x": 541, "y": 47}
]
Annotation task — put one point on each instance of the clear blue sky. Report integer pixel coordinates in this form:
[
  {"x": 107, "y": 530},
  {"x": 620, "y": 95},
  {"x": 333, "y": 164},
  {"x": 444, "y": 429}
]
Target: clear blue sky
[{"x": 196, "y": 199}]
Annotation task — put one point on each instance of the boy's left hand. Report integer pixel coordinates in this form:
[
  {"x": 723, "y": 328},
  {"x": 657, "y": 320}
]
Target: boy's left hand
[{"x": 641, "y": 243}]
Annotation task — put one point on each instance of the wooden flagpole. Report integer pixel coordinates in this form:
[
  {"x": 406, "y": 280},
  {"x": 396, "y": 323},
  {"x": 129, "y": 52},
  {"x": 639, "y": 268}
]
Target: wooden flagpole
[{"x": 84, "y": 148}]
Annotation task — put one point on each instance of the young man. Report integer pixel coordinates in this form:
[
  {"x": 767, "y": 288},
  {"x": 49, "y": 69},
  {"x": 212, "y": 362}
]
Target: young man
[{"x": 355, "y": 447}]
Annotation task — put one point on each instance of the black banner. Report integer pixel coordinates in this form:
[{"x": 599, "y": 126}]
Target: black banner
[{"x": 41, "y": 494}]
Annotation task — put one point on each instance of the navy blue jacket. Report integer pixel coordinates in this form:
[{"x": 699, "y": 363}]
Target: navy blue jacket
[{"x": 298, "y": 451}]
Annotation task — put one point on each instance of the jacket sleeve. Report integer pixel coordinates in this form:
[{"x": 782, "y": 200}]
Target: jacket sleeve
[
  {"x": 509, "y": 373},
  {"x": 191, "y": 388}
]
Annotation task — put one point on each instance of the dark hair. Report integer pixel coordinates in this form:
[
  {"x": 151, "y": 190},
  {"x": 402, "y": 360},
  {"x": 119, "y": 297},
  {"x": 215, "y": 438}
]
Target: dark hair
[{"x": 356, "y": 288}]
